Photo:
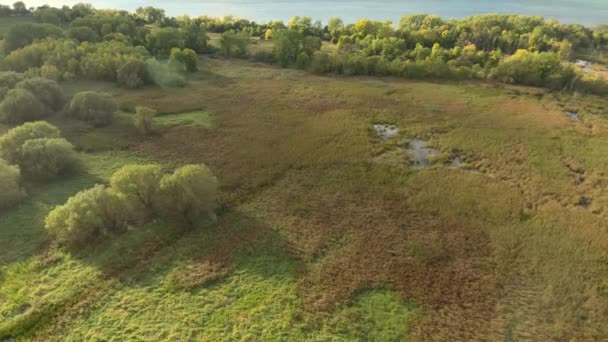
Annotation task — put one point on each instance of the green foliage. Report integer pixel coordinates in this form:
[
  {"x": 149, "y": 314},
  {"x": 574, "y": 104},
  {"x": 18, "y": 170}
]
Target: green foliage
[
  {"x": 132, "y": 74},
  {"x": 162, "y": 75},
  {"x": 144, "y": 120},
  {"x": 8, "y": 79},
  {"x": 140, "y": 185},
  {"x": 11, "y": 191},
  {"x": 39, "y": 151},
  {"x": 47, "y": 91},
  {"x": 189, "y": 194},
  {"x": 160, "y": 41},
  {"x": 290, "y": 44},
  {"x": 44, "y": 159},
  {"x": 534, "y": 68},
  {"x": 20, "y": 105},
  {"x": 233, "y": 44},
  {"x": 183, "y": 60},
  {"x": 12, "y": 142},
  {"x": 87, "y": 217},
  {"x": 93, "y": 107},
  {"x": 82, "y": 34},
  {"x": 303, "y": 60},
  {"x": 23, "y": 34}
]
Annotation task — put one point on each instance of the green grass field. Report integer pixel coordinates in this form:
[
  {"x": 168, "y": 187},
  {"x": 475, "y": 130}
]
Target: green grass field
[{"x": 327, "y": 233}]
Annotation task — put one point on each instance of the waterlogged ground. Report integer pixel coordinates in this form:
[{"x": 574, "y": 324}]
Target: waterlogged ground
[{"x": 330, "y": 231}]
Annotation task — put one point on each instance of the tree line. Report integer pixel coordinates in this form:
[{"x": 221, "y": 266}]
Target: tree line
[{"x": 148, "y": 47}]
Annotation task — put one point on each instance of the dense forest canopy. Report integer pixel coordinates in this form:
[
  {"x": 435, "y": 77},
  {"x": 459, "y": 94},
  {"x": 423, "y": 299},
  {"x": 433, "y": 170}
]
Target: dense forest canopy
[{"x": 148, "y": 46}]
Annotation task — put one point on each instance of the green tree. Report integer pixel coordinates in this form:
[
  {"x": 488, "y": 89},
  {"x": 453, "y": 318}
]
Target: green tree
[
  {"x": 189, "y": 195},
  {"x": 12, "y": 142},
  {"x": 88, "y": 216},
  {"x": 45, "y": 90},
  {"x": 82, "y": 34},
  {"x": 161, "y": 40},
  {"x": 287, "y": 45},
  {"x": 20, "y": 105},
  {"x": 183, "y": 60},
  {"x": 234, "y": 44},
  {"x": 23, "y": 34},
  {"x": 140, "y": 185},
  {"x": 95, "y": 108},
  {"x": 44, "y": 159},
  {"x": 11, "y": 191},
  {"x": 132, "y": 74},
  {"x": 144, "y": 120}
]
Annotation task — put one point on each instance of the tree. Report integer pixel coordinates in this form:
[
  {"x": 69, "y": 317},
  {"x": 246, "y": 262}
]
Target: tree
[
  {"x": 12, "y": 142},
  {"x": 20, "y": 9},
  {"x": 144, "y": 119},
  {"x": 82, "y": 34},
  {"x": 150, "y": 14},
  {"x": 161, "y": 40},
  {"x": 140, "y": 186},
  {"x": 23, "y": 34},
  {"x": 9, "y": 79},
  {"x": 184, "y": 60},
  {"x": 189, "y": 194},
  {"x": 234, "y": 44},
  {"x": 11, "y": 191},
  {"x": 335, "y": 27},
  {"x": 45, "y": 90},
  {"x": 95, "y": 108},
  {"x": 303, "y": 60},
  {"x": 287, "y": 45},
  {"x": 20, "y": 105},
  {"x": 132, "y": 74},
  {"x": 43, "y": 159},
  {"x": 88, "y": 216}
]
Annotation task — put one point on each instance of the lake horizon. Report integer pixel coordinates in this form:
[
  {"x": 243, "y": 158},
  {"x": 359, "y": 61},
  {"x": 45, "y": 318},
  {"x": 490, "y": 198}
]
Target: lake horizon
[{"x": 585, "y": 12}]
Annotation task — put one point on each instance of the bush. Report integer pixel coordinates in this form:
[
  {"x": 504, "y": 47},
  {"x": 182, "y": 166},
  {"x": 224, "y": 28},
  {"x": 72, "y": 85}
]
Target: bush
[
  {"x": 140, "y": 185},
  {"x": 82, "y": 34},
  {"x": 20, "y": 105},
  {"x": 13, "y": 140},
  {"x": 95, "y": 108},
  {"x": 11, "y": 191},
  {"x": 303, "y": 60},
  {"x": 183, "y": 60},
  {"x": 144, "y": 120},
  {"x": 189, "y": 194},
  {"x": 132, "y": 74},
  {"x": 44, "y": 159},
  {"x": 20, "y": 35},
  {"x": 8, "y": 79},
  {"x": 88, "y": 216},
  {"x": 163, "y": 76},
  {"x": 45, "y": 90}
]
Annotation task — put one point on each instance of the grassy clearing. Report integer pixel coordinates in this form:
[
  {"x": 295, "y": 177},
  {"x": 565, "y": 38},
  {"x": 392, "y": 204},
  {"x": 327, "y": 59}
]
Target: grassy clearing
[
  {"x": 326, "y": 232},
  {"x": 196, "y": 118}
]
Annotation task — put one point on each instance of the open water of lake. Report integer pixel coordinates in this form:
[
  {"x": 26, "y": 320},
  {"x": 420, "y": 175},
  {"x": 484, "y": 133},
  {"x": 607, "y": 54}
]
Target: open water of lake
[{"x": 587, "y": 12}]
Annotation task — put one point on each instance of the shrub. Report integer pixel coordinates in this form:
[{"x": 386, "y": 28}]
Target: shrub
[
  {"x": 45, "y": 90},
  {"x": 144, "y": 120},
  {"x": 132, "y": 74},
  {"x": 88, "y": 216},
  {"x": 189, "y": 194},
  {"x": 303, "y": 60},
  {"x": 183, "y": 60},
  {"x": 140, "y": 185},
  {"x": 11, "y": 191},
  {"x": 9, "y": 79},
  {"x": 162, "y": 75},
  {"x": 82, "y": 34},
  {"x": 20, "y": 105},
  {"x": 95, "y": 108},
  {"x": 44, "y": 159},
  {"x": 12, "y": 142}
]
